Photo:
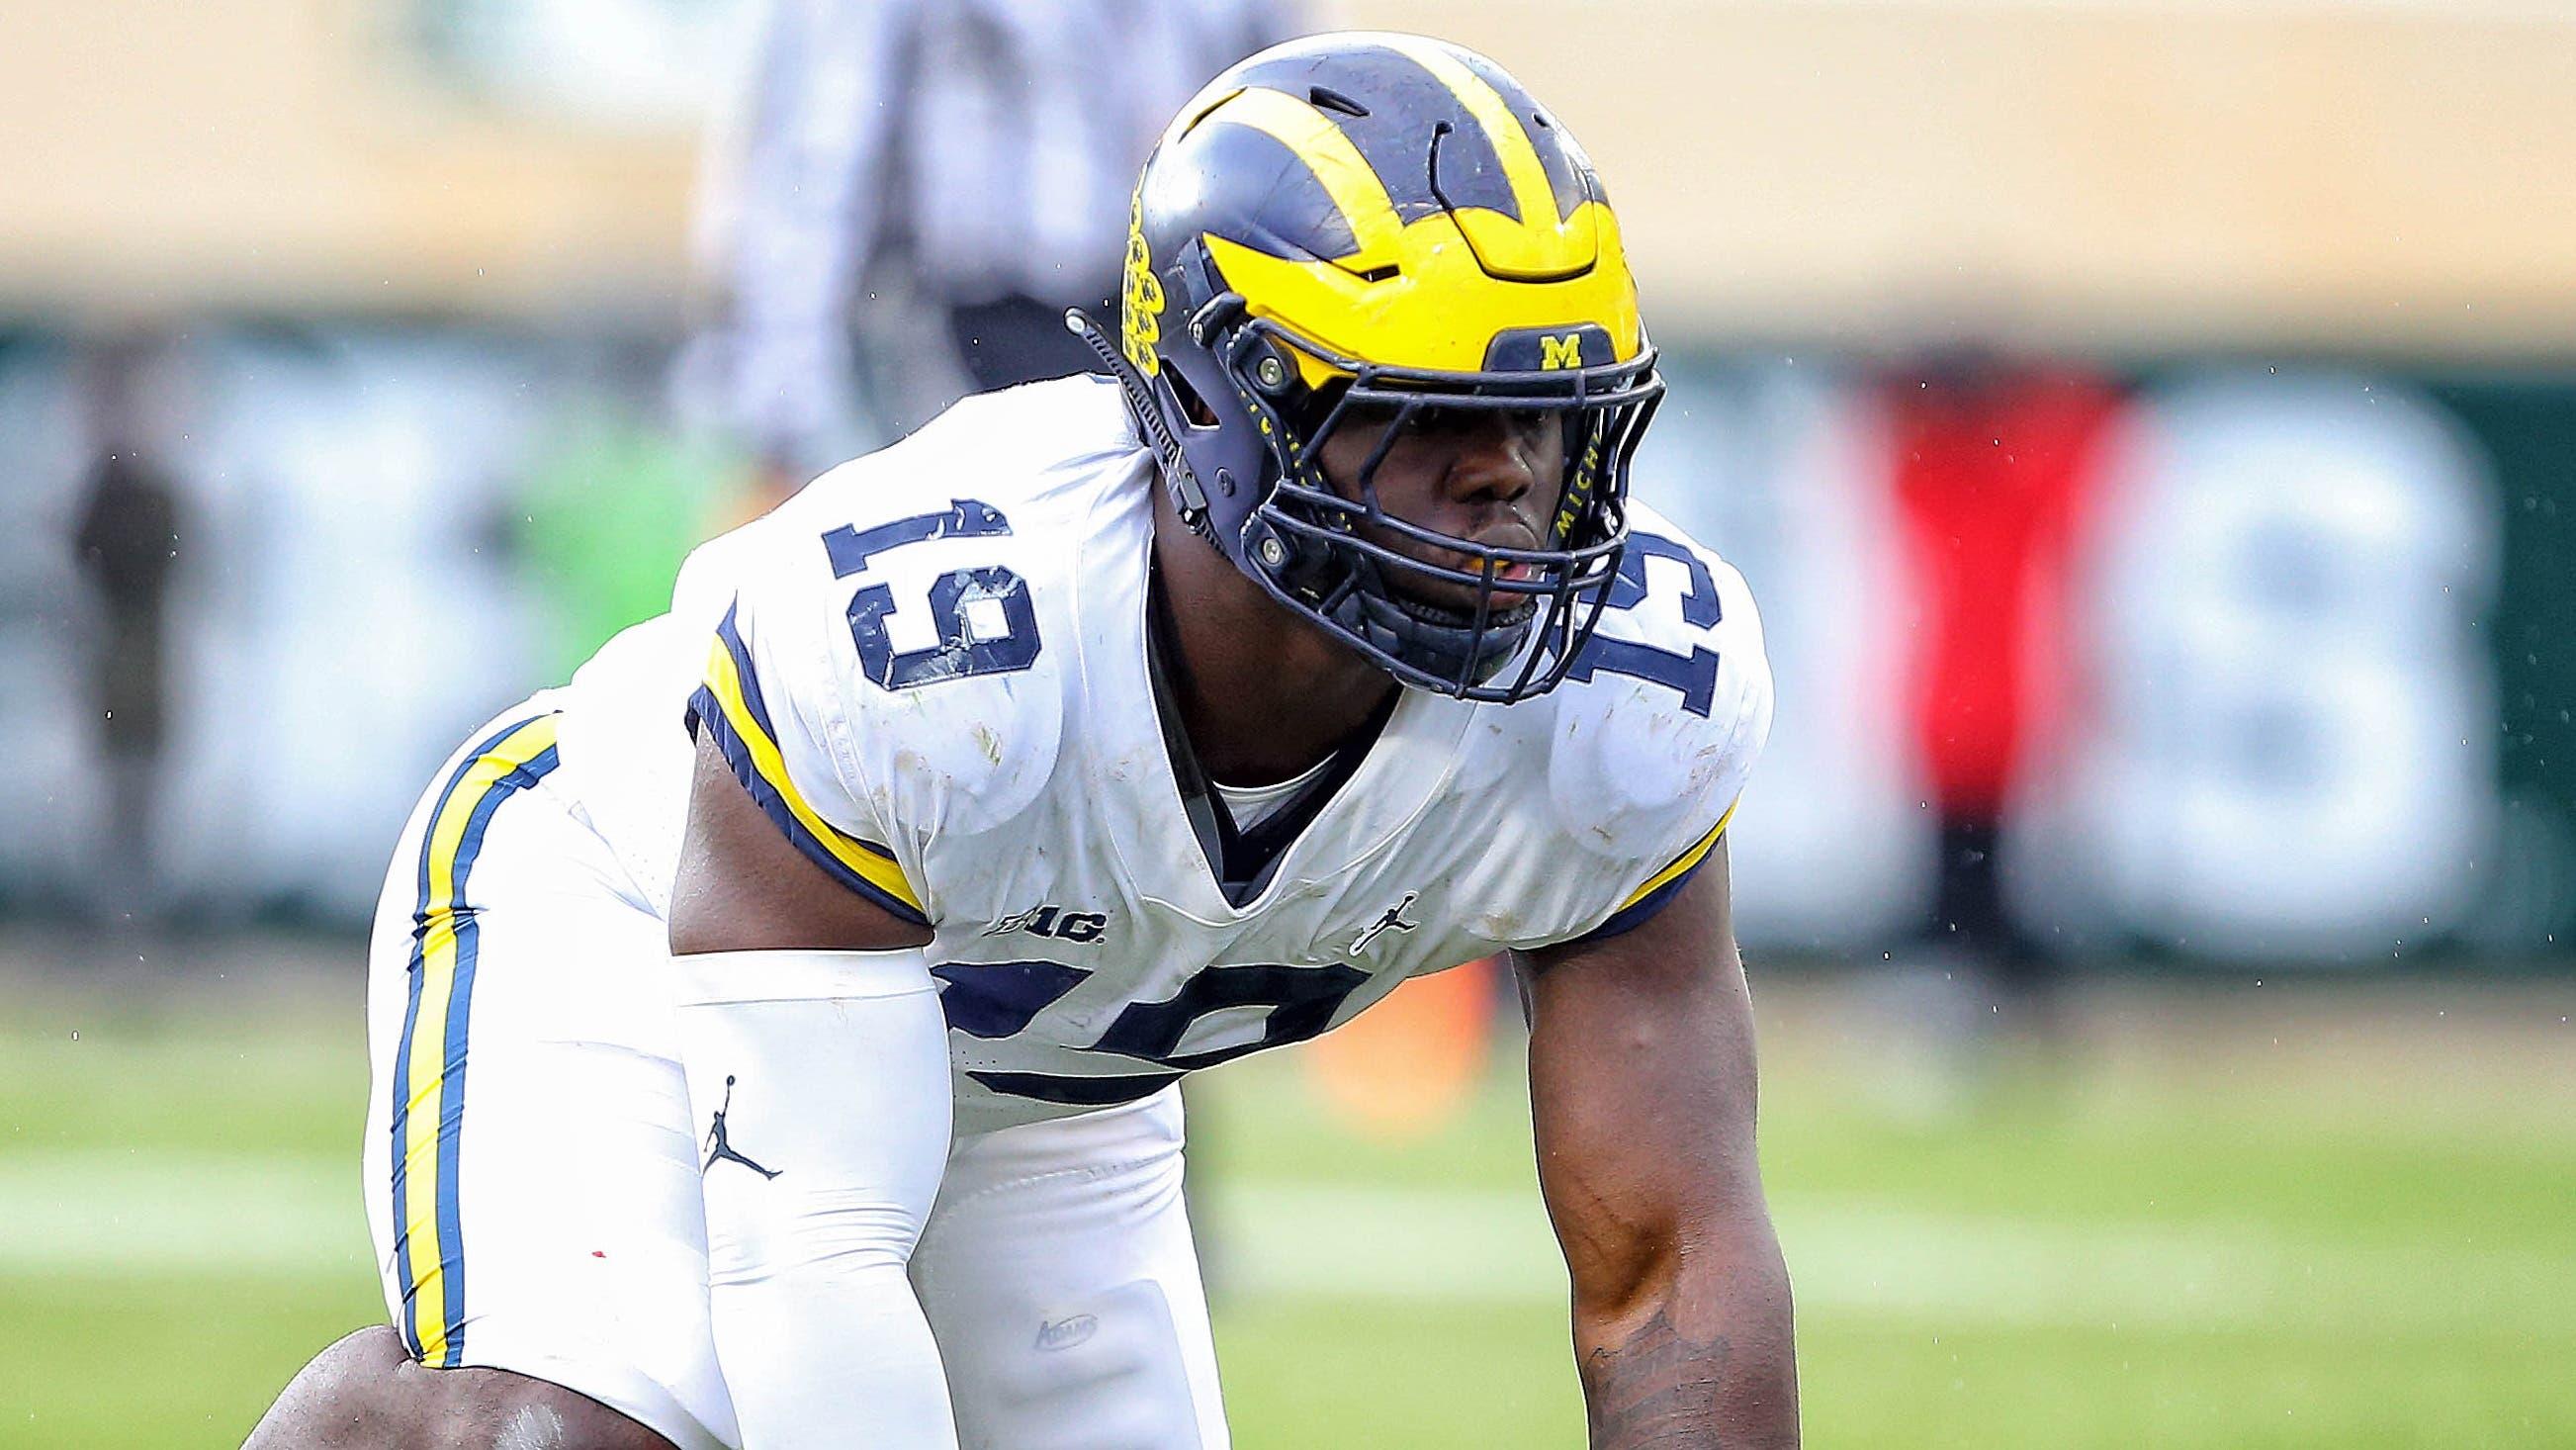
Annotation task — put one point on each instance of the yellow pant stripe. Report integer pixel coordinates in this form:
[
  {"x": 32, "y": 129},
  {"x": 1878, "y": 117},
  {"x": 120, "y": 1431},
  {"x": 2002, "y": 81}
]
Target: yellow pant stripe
[{"x": 429, "y": 1068}]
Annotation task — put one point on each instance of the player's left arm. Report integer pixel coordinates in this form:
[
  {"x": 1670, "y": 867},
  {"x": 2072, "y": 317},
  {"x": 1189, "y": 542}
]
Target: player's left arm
[{"x": 1642, "y": 1097}]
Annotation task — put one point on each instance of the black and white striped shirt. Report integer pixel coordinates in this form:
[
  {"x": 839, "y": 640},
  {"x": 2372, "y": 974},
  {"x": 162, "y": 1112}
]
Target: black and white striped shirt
[{"x": 977, "y": 149}]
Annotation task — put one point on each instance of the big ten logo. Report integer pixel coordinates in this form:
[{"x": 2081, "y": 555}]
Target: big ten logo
[
  {"x": 1055, "y": 923},
  {"x": 1140, "y": 300}
]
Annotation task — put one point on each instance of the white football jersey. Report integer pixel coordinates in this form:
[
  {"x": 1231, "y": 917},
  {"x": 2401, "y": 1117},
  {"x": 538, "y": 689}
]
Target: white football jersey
[{"x": 930, "y": 669}]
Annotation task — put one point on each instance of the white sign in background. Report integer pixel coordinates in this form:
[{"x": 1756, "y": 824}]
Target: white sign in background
[
  {"x": 2291, "y": 745},
  {"x": 2285, "y": 747},
  {"x": 2283, "y": 742}
]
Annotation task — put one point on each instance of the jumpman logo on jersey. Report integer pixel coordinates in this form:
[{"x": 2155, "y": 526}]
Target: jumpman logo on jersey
[
  {"x": 721, "y": 1151},
  {"x": 1394, "y": 919}
]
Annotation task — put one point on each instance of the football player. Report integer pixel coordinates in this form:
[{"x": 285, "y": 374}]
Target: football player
[{"x": 776, "y": 1031}]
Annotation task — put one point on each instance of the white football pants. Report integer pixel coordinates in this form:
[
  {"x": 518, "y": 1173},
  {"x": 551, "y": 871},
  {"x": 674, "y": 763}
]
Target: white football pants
[{"x": 532, "y": 1167}]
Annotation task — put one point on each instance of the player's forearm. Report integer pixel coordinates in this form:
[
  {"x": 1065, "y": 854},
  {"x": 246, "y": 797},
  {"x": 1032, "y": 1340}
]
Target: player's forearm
[
  {"x": 1697, "y": 1354},
  {"x": 820, "y": 1081},
  {"x": 816, "y": 1359}
]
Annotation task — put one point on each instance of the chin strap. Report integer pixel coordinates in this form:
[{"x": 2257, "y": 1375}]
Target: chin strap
[{"x": 1187, "y": 496}]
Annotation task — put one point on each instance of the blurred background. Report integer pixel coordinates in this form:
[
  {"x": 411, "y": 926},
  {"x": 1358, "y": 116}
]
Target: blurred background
[{"x": 2149, "y": 427}]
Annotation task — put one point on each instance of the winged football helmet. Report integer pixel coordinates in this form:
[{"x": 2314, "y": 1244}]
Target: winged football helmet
[{"x": 1367, "y": 226}]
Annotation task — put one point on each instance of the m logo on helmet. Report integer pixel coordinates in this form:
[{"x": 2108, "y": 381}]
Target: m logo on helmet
[
  {"x": 1564, "y": 346},
  {"x": 1140, "y": 302}
]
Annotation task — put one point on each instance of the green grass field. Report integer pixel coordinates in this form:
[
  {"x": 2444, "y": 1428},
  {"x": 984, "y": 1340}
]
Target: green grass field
[{"x": 2224, "y": 1216}]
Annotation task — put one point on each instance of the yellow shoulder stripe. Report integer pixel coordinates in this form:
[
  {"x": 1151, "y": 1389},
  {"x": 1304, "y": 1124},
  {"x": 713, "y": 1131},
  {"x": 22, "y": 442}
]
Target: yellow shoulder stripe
[
  {"x": 864, "y": 860},
  {"x": 1683, "y": 862}
]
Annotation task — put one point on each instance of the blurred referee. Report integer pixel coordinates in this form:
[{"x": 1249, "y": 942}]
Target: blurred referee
[{"x": 916, "y": 192}]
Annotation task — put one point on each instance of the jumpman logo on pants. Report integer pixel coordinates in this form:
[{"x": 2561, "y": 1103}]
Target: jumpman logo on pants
[{"x": 721, "y": 1151}]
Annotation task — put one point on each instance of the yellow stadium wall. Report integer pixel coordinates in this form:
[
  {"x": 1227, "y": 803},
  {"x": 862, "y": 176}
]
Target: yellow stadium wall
[{"x": 2375, "y": 175}]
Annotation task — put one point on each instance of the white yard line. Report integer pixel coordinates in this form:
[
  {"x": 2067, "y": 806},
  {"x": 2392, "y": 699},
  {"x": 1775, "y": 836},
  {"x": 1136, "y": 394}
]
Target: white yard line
[
  {"x": 143, "y": 1213},
  {"x": 1495, "y": 1246},
  {"x": 133, "y": 1214},
  {"x": 1876, "y": 1258}
]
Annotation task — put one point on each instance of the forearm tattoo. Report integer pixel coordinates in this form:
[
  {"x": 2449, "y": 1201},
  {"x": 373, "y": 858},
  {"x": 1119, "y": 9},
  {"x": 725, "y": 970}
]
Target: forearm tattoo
[{"x": 1659, "y": 1387}]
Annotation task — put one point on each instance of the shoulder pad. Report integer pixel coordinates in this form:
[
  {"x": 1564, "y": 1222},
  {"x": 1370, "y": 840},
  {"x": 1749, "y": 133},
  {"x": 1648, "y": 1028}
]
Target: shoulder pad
[
  {"x": 1656, "y": 729},
  {"x": 943, "y": 624},
  {"x": 958, "y": 651}
]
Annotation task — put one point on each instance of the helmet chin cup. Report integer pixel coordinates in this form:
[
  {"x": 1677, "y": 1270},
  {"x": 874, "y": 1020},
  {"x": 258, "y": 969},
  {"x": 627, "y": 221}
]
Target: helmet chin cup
[{"x": 1441, "y": 652}]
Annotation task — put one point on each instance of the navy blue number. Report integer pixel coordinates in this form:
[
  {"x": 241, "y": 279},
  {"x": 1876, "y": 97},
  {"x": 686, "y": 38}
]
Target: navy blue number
[
  {"x": 1694, "y": 675},
  {"x": 1302, "y": 1002},
  {"x": 851, "y": 548},
  {"x": 1000, "y": 999},
  {"x": 1699, "y": 606},
  {"x": 962, "y": 649}
]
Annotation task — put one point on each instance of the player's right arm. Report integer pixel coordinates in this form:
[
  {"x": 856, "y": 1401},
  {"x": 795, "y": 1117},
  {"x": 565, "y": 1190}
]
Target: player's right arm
[
  {"x": 810, "y": 1022},
  {"x": 743, "y": 887}
]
